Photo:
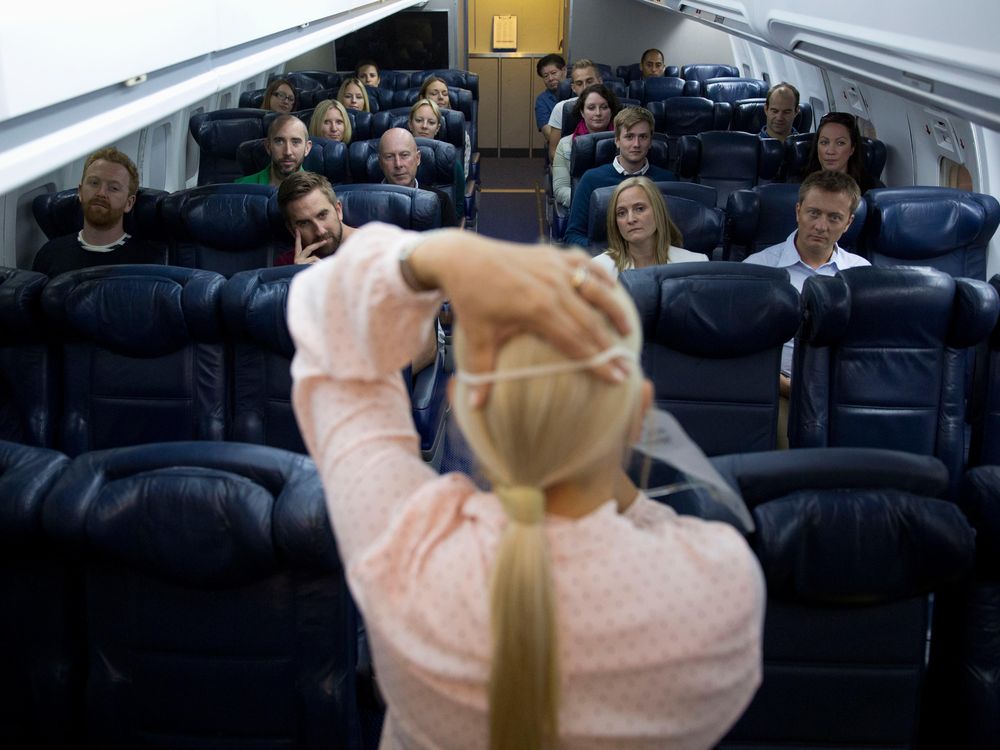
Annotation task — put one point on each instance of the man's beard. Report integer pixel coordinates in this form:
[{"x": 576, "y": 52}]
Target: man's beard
[
  {"x": 101, "y": 215},
  {"x": 333, "y": 242}
]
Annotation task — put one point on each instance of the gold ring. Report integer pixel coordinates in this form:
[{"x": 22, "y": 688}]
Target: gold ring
[{"x": 580, "y": 276}]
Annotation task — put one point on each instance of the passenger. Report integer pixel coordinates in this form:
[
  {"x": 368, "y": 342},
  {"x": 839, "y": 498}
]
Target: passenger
[
  {"x": 106, "y": 192},
  {"x": 640, "y": 230},
  {"x": 563, "y": 607},
  {"x": 288, "y": 145},
  {"x": 313, "y": 215},
  {"x": 353, "y": 95},
  {"x": 279, "y": 96},
  {"x": 552, "y": 70},
  {"x": 584, "y": 73},
  {"x": 425, "y": 119},
  {"x": 436, "y": 89},
  {"x": 633, "y": 137},
  {"x": 367, "y": 73},
  {"x": 330, "y": 121},
  {"x": 826, "y": 206},
  {"x": 596, "y": 107},
  {"x": 836, "y": 148},
  {"x": 651, "y": 63},
  {"x": 399, "y": 157},
  {"x": 780, "y": 110}
]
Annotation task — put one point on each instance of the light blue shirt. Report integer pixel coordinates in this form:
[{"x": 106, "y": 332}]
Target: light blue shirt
[{"x": 786, "y": 256}]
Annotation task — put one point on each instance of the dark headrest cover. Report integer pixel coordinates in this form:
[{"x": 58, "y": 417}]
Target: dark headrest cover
[
  {"x": 826, "y": 310},
  {"x": 21, "y": 318},
  {"x": 922, "y": 226},
  {"x": 975, "y": 314},
  {"x": 860, "y": 546},
  {"x": 254, "y": 303}
]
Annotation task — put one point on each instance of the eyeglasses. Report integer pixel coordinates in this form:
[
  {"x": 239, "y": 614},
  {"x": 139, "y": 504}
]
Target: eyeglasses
[{"x": 283, "y": 97}]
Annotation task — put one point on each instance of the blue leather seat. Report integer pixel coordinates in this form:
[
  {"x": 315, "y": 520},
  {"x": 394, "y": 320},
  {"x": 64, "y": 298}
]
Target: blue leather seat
[
  {"x": 361, "y": 125},
  {"x": 852, "y": 543},
  {"x": 690, "y": 115},
  {"x": 405, "y": 207},
  {"x": 225, "y": 228},
  {"x": 379, "y": 98},
  {"x": 765, "y": 215},
  {"x": 217, "y": 614},
  {"x": 942, "y": 228},
  {"x": 657, "y": 89},
  {"x": 700, "y": 223},
  {"x": 460, "y": 100},
  {"x": 218, "y": 135},
  {"x": 303, "y": 114},
  {"x": 873, "y": 154},
  {"x": 29, "y": 372},
  {"x": 41, "y": 628},
  {"x": 984, "y": 405},
  {"x": 704, "y": 71},
  {"x": 712, "y": 336},
  {"x": 460, "y": 79},
  {"x": 307, "y": 100},
  {"x": 597, "y": 149},
  {"x": 452, "y": 125},
  {"x": 326, "y": 157},
  {"x": 633, "y": 72},
  {"x": 749, "y": 115},
  {"x": 732, "y": 89},
  {"x": 142, "y": 355},
  {"x": 309, "y": 80},
  {"x": 728, "y": 160},
  {"x": 571, "y": 120},
  {"x": 393, "y": 80},
  {"x": 879, "y": 360},
  {"x": 59, "y": 214}
]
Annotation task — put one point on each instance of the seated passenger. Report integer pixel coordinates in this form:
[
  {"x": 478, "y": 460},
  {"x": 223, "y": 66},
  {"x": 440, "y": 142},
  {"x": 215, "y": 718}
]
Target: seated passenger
[
  {"x": 399, "y": 157},
  {"x": 313, "y": 215},
  {"x": 633, "y": 137},
  {"x": 552, "y": 70},
  {"x": 596, "y": 107},
  {"x": 425, "y": 119},
  {"x": 330, "y": 121},
  {"x": 780, "y": 110},
  {"x": 436, "y": 89},
  {"x": 367, "y": 72},
  {"x": 279, "y": 96},
  {"x": 287, "y": 144},
  {"x": 353, "y": 95},
  {"x": 107, "y": 192},
  {"x": 640, "y": 230},
  {"x": 836, "y": 148},
  {"x": 562, "y": 607},
  {"x": 651, "y": 63},
  {"x": 827, "y": 201},
  {"x": 584, "y": 73}
]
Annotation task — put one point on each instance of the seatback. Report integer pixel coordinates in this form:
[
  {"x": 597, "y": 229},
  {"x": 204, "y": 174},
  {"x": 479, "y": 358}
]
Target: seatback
[
  {"x": 452, "y": 125},
  {"x": 733, "y": 89},
  {"x": 712, "y": 336},
  {"x": 749, "y": 115},
  {"x": 873, "y": 155},
  {"x": 658, "y": 89},
  {"x": 704, "y": 71},
  {"x": 765, "y": 215},
  {"x": 460, "y": 79},
  {"x": 361, "y": 125},
  {"x": 217, "y": 614},
  {"x": 309, "y": 80},
  {"x": 224, "y": 228},
  {"x": 985, "y": 403},
  {"x": 690, "y": 115},
  {"x": 41, "y": 628},
  {"x": 218, "y": 135},
  {"x": 307, "y": 100},
  {"x": 943, "y": 228},
  {"x": 571, "y": 119},
  {"x": 851, "y": 543},
  {"x": 460, "y": 100},
  {"x": 879, "y": 360},
  {"x": 700, "y": 224},
  {"x": 405, "y": 207},
  {"x": 29, "y": 369},
  {"x": 142, "y": 355},
  {"x": 437, "y": 163},
  {"x": 303, "y": 114},
  {"x": 61, "y": 213},
  {"x": 728, "y": 160},
  {"x": 326, "y": 157},
  {"x": 394, "y": 80}
]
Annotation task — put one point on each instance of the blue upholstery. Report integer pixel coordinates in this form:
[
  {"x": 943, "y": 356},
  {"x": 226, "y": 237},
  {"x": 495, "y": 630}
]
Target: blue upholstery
[
  {"x": 658, "y": 89},
  {"x": 452, "y": 125},
  {"x": 59, "y": 214},
  {"x": 596, "y": 149},
  {"x": 571, "y": 119},
  {"x": 733, "y": 89},
  {"x": 873, "y": 154},
  {"x": 729, "y": 161},
  {"x": 305, "y": 80},
  {"x": 307, "y": 100},
  {"x": 879, "y": 360},
  {"x": 224, "y": 228},
  {"x": 405, "y": 207},
  {"x": 942, "y": 228},
  {"x": 851, "y": 542},
  {"x": 712, "y": 336},
  {"x": 217, "y": 614},
  {"x": 460, "y": 100},
  {"x": 701, "y": 224},
  {"x": 40, "y": 683},
  {"x": 984, "y": 405},
  {"x": 29, "y": 375},
  {"x": 765, "y": 216},
  {"x": 361, "y": 125},
  {"x": 142, "y": 355},
  {"x": 326, "y": 157},
  {"x": 303, "y": 114},
  {"x": 393, "y": 80},
  {"x": 460, "y": 79},
  {"x": 704, "y": 71},
  {"x": 218, "y": 135},
  {"x": 633, "y": 72},
  {"x": 749, "y": 116},
  {"x": 378, "y": 98},
  {"x": 690, "y": 115},
  {"x": 253, "y": 306}
]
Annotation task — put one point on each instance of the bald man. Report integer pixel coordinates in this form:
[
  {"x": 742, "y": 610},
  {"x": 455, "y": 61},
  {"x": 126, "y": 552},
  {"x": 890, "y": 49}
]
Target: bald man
[
  {"x": 399, "y": 157},
  {"x": 287, "y": 144}
]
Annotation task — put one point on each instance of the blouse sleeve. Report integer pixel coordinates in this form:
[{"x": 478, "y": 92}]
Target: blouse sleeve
[
  {"x": 561, "y": 186},
  {"x": 356, "y": 324}
]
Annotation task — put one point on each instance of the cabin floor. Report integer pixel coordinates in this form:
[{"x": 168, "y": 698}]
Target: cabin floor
[{"x": 512, "y": 199}]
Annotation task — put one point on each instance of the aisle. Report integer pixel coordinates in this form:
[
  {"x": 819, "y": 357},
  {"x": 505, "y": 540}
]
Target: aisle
[{"x": 512, "y": 199}]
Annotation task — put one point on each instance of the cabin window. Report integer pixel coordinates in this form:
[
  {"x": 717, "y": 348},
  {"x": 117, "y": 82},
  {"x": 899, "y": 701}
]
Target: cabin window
[
  {"x": 28, "y": 237},
  {"x": 955, "y": 175},
  {"x": 192, "y": 155},
  {"x": 766, "y": 77},
  {"x": 747, "y": 73},
  {"x": 867, "y": 128},
  {"x": 226, "y": 101},
  {"x": 155, "y": 173}
]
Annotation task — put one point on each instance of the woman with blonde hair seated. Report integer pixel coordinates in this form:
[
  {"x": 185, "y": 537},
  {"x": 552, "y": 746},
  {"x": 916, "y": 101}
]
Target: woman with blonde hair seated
[
  {"x": 330, "y": 121},
  {"x": 353, "y": 95},
  {"x": 561, "y": 607},
  {"x": 425, "y": 119},
  {"x": 436, "y": 90},
  {"x": 640, "y": 230}
]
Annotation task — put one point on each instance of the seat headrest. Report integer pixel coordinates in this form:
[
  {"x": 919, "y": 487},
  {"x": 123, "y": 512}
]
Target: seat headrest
[
  {"x": 59, "y": 214},
  {"x": 690, "y": 115},
  {"x": 229, "y": 217},
  {"x": 404, "y": 207},
  {"x": 688, "y": 205},
  {"x": 978, "y": 499},
  {"x": 26, "y": 475},
  {"x": 733, "y": 89},
  {"x": 657, "y": 89},
  {"x": 254, "y": 304},
  {"x": 975, "y": 312},
  {"x": 21, "y": 319}
]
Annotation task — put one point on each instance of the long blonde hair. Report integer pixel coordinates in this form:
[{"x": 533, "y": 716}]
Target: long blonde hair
[
  {"x": 667, "y": 233},
  {"x": 320, "y": 112},
  {"x": 533, "y": 433},
  {"x": 364, "y": 92}
]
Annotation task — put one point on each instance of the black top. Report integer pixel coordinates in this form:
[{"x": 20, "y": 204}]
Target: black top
[
  {"x": 449, "y": 215},
  {"x": 66, "y": 254}
]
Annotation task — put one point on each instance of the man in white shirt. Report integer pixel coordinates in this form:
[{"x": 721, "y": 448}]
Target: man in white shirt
[{"x": 584, "y": 73}]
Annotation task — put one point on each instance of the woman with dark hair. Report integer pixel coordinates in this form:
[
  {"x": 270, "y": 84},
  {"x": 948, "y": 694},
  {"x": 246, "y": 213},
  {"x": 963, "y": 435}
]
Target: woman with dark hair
[
  {"x": 595, "y": 109},
  {"x": 837, "y": 147},
  {"x": 279, "y": 96}
]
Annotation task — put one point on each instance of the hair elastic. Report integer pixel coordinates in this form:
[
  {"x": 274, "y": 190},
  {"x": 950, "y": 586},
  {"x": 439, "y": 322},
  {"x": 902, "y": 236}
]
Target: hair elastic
[{"x": 554, "y": 368}]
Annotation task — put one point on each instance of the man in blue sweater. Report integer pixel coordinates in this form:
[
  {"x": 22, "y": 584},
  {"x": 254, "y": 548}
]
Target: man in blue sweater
[{"x": 633, "y": 137}]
